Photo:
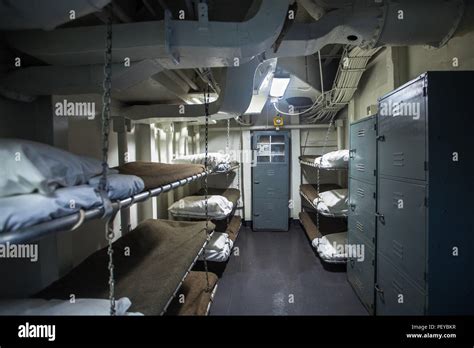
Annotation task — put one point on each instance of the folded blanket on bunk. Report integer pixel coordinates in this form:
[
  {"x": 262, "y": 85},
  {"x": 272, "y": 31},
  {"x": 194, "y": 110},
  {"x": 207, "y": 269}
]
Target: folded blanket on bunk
[
  {"x": 29, "y": 167},
  {"x": 81, "y": 306},
  {"x": 214, "y": 159},
  {"x": 332, "y": 247},
  {"x": 194, "y": 290},
  {"x": 29, "y": 209},
  {"x": 219, "y": 248},
  {"x": 159, "y": 174},
  {"x": 161, "y": 252},
  {"x": 333, "y": 202},
  {"x": 333, "y": 159},
  {"x": 218, "y": 207},
  {"x": 120, "y": 186}
]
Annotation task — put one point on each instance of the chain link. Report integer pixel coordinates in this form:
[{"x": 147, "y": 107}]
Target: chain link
[
  {"x": 318, "y": 179},
  {"x": 106, "y": 103},
  {"x": 206, "y": 190}
]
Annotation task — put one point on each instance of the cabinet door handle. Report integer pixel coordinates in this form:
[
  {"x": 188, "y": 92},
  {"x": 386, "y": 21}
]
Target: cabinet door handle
[
  {"x": 377, "y": 288},
  {"x": 381, "y": 217}
]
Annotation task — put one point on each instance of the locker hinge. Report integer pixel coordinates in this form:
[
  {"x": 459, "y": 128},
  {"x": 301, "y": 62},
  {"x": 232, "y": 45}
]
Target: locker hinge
[
  {"x": 426, "y": 201},
  {"x": 375, "y": 126},
  {"x": 425, "y": 91},
  {"x": 375, "y": 172},
  {"x": 374, "y": 194},
  {"x": 373, "y": 241},
  {"x": 425, "y": 276},
  {"x": 425, "y": 164},
  {"x": 373, "y": 262}
]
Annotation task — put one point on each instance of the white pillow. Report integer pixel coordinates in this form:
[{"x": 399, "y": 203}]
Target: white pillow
[
  {"x": 213, "y": 159},
  {"x": 333, "y": 202},
  {"x": 27, "y": 167},
  {"x": 219, "y": 248},
  {"x": 85, "y": 306},
  {"x": 332, "y": 247},
  {"x": 194, "y": 206},
  {"x": 333, "y": 159}
]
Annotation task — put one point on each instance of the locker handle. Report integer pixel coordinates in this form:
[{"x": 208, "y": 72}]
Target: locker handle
[
  {"x": 381, "y": 217},
  {"x": 353, "y": 206},
  {"x": 381, "y": 138},
  {"x": 377, "y": 288},
  {"x": 256, "y": 182},
  {"x": 352, "y": 151},
  {"x": 256, "y": 214}
]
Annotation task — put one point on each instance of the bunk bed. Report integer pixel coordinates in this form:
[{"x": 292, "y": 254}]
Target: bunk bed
[
  {"x": 325, "y": 208},
  {"x": 218, "y": 163},
  {"x": 162, "y": 253}
]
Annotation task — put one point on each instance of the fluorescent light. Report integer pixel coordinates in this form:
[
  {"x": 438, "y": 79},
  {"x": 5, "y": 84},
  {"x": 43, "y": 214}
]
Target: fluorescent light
[{"x": 279, "y": 85}]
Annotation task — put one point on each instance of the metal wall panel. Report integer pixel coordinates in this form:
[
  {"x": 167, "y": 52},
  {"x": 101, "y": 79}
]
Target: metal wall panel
[{"x": 401, "y": 227}]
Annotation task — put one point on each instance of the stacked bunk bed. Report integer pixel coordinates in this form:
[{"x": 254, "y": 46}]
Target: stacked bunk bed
[
  {"x": 217, "y": 204},
  {"x": 325, "y": 209},
  {"x": 46, "y": 190}
]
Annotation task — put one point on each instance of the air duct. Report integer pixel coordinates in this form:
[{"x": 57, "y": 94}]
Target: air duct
[{"x": 44, "y": 14}]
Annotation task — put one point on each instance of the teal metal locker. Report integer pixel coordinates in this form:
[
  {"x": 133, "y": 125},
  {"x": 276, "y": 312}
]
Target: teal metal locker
[{"x": 362, "y": 209}]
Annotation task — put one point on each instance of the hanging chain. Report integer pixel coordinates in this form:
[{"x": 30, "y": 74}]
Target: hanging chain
[
  {"x": 206, "y": 155},
  {"x": 326, "y": 139},
  {"x": 227, "y": 146},
  {"x": 106, "y": 102}
]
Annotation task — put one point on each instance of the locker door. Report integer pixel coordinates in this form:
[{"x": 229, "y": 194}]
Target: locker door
[
  {"x": 361, "y": 272},
  {"x": 362, "y": 163},
  {"x": 361, "y": 220},
  {"x": 395, "y": 294},
  {"x": 401, "y": 226},
  {"x": 402, "y": 133}
]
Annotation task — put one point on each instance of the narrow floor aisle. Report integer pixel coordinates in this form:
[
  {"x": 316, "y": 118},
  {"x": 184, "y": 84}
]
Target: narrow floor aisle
[{"x": 274, "y": 268}]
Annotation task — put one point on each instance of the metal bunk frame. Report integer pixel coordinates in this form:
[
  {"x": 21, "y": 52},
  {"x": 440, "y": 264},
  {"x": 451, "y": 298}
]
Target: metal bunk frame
[{"x": 71, "y": 222}]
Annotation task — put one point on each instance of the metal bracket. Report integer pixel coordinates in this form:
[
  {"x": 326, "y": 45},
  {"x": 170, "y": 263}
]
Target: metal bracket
[
  {"x": 122, "y": 124},
  {"x": 203, "y": 16},
  {"x": 169, "y": 36}
]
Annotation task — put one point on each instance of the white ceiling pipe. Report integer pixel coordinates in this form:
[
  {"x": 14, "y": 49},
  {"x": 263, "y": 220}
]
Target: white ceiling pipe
[
  {"x": 44, "y": 14},
  {"x": 194, "y": 44}
]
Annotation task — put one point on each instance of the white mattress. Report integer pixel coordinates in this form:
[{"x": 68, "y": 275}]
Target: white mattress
[
  {"x": 218, "y": 207},
  {"x": 214, "y": 159},
  {"x": 332, "y": 247},
  {"x": 332, "y": 203},
  {"x": 219, "y": 248},
  {"x": 333, "y": 159},
  {"x": 85, "y": 306}
]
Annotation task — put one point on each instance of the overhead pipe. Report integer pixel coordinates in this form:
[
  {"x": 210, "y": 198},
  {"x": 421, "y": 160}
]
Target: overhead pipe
[
  {"x": 176, "y": 44},
  {"x": 234, "y": 98},
  {"x": 50, "y": 80},
  {"x": 44, "y": 14},
  {"x": 370, "y": 24}
]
